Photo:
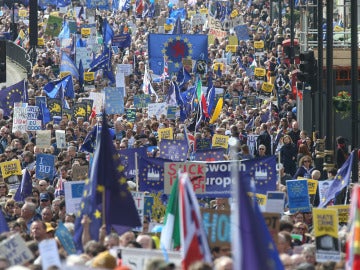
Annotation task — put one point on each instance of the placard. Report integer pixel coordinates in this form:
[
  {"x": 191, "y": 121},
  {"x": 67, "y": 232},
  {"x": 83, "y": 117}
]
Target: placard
[
  {"x": 217, "y": 225},
  {"x": 325, "y": 223},
  {"x": 45, "y": 166},
  {"x": 80, "y": 172},
  {"x": 20, "y": 117},
  {"x": 220, "y": 141},
  {"x": 11, "y": 167},
  {"x": 98, "y": 99},
  {"x": 272, "y": 220},
  {"x": 114, "y": 100},
  {"x": 157, "y": 109},
  {"x": 275, "y": 201},
  {"x": 298, "y": 195},
  {"x": 49, "y": 253},
  {"x": 139, "y": 199},
  {"x": 15, "y": 250},
  {"x": 60, "y": 139},
  {"x": 166, "y": 133},
  {"x": 43, "y": 138},
  {"x": 130, "y": 115},
  {"x": 32, "y": 122},
  {"x": 196, "y": 171},
  {"x": 73, "y": 193},
  {"x": 343, "y": 212}
]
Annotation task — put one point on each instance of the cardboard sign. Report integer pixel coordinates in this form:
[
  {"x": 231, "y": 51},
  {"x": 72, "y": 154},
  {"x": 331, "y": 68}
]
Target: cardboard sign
[
  {"x": 11, "y": 167},
  {"x": 196, "y": 171},
  {"x": 326, "y": 229},
  {"x": 166, "y": 133},
  {"x": 114, "y": 100},
  {"x": 217, "y": 226},
  {"x": 16, "y": 250},
  {"x": 32, "y": 122},
  {"x": 60, "y": 138},
  {"x": 43, "y": 138},
  {"x": 260, "y": 74},
  {"x": 80, "y": 172},
  {"x": 157, "y": 109},
  {"x": 275, "y": 201},
  {"x": 220, "y": 141},
  {"x": 272, "y": 221}
]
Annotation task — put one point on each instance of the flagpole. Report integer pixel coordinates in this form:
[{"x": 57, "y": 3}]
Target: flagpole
[
  {"x": 103, "y": 207},
  {"x": 137, "y": 171}
]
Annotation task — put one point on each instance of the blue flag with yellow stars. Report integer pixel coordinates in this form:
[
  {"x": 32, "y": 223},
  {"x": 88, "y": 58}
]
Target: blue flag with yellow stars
[
  {"x": 107, "y": 180},
  {"x": 341, "y": 180},
  {"x": 175, "y": 48},
  {"x": 151, "y": 174},
  {"x": 10, "y": 95},
  {"x": 215, "y": 154},
  {"x": 176, "y": 150}
]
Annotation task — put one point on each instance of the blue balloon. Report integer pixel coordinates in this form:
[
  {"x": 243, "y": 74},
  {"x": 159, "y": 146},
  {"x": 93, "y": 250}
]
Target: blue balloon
[{"x": 170, "y": 5}]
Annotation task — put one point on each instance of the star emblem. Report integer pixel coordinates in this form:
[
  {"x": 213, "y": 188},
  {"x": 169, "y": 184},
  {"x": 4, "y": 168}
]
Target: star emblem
[{"x": 97, "y": 214}]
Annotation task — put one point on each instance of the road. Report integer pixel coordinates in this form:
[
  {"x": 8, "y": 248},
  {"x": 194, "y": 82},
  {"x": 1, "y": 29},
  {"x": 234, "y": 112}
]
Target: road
[{"x": 14, "y": 73}]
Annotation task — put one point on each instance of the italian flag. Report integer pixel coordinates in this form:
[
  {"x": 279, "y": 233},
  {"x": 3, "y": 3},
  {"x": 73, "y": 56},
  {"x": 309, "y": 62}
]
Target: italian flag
[{"x": 170, "y": 234}]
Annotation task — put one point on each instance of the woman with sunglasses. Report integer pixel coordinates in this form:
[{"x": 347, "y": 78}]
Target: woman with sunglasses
[
  {"x": 9, "y": 210},
  {"x": 305, "y": 167}
]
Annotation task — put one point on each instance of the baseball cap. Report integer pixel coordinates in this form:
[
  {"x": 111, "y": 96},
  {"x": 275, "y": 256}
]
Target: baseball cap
[{"x": 44, "y": 197}]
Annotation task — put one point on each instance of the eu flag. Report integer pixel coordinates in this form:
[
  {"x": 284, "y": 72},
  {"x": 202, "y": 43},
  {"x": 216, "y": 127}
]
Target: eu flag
[
  {"x": 66, "y": 83},
  {"x": 151, "y": 174},
  {"x": 25, "y": 188},
  {"x": 108, "y": 32},
  {"x": 63, "y": 3},
  {"x": 215, "y": 154},
  {"x": 342, "y": 180},
  {"x": 10, "y": 95},
  {"x": 68, "y": 65},
  {"x": 107, "y": 188},
  {"x": 176, "y": 150},
  {"x": 250, "y": 236},
  {"x": 175, "y": 48}
]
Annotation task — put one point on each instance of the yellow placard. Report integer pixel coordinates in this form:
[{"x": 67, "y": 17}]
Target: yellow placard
[
  {"x": 231, "y": 48},
  {"x": 218, "y": 66},
  {"x": 64, "y": 74},
  {"x": 259, "y": 44},
  {"x": 220, "y": 141},
  {"x": 41, "y": 42},
  {"x": 54, "y": 13},
  {"x": 234, "y": 13},
  {"x": 211, "y": 39},
  {"x": 267, "y": 87},
  {"x": 312, "y": 186},
  {"x": 325, "y": 222},
  {"x": 166, "y": 133},
  {"x": 89, "y": 76},
  {"x": 338, "y": 28},
  {"x": 85, "y": 32},
  {"x": 168, "y": 27},
  {"x": 203, "y": 10},
  {"x": 233, "y": 40},
  {"x": 11, "y": 167},
  {"x": 343, "y": 212},
  {"x": 190, "y": 13},
  {"x": 23, "y": 13},
  {"x": 260, "y": 198},
  {"x": 259, "y": 72}
]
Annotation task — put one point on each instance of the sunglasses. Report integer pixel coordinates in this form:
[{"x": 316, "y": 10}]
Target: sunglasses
[
  {"x": 261, "y": 148},
  {"x": 2, "y": 186},
  {"x": 307, "y": 161},
  {"x": 10, "y": 205}
]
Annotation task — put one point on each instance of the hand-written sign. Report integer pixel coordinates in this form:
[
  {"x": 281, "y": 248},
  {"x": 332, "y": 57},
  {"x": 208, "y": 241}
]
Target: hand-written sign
[
  {"x": 217, "y": 226},
  {"x": 15, "y": 250},
  {"x": 10, "y": 168}
]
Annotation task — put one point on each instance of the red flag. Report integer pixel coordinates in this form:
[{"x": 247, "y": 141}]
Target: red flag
[
  {"x": 193, "y": 237},
  {"x": 204, "y": 106}
]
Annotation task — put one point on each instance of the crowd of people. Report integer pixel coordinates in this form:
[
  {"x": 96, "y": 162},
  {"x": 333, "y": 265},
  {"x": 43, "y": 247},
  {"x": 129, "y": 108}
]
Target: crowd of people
[{"x": 272, "y": 121}]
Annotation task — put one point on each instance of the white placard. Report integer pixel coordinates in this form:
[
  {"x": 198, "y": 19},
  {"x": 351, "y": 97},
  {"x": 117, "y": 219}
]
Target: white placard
[
  {"x": 43, "y": 138},
  {"x": 275, "y": 202},
  {"x": 73, "y": 193},
  {"x": 60, "y": 138},
  {"x": 124, "y": 68},
  {"x": 157, "y": 109},
  {"x": 98, "y": 99},
  {"x": 16, "y": 250},
  {"x": 19, "y": 120},
  {"x": 49, "y": 253},
  {"x": 139, "y": 199},
  {"x": 137, "y": 260}
]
